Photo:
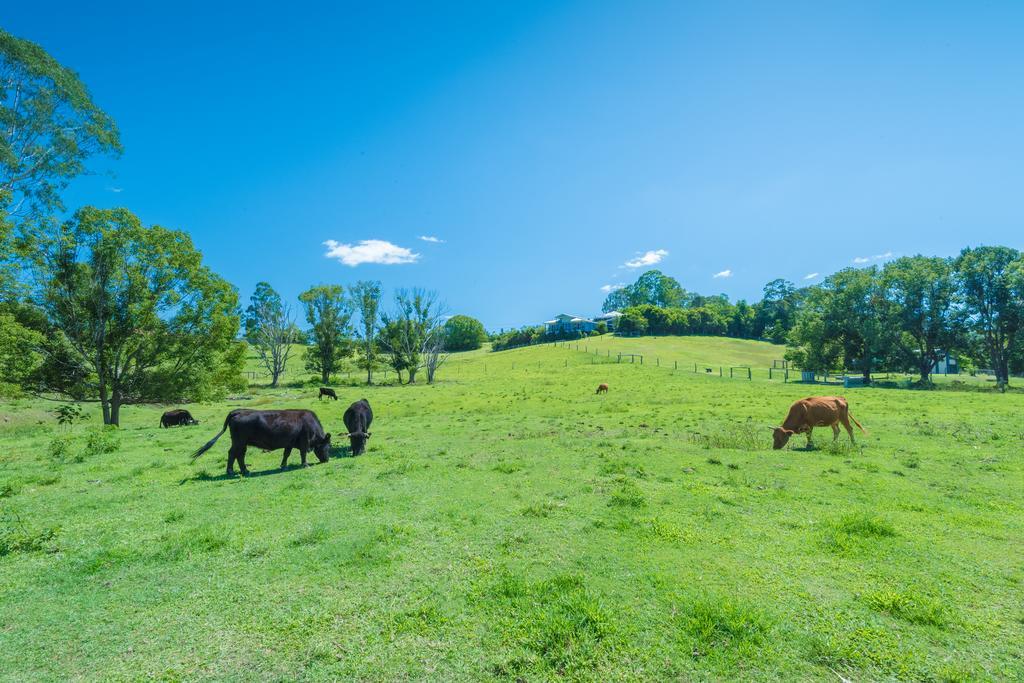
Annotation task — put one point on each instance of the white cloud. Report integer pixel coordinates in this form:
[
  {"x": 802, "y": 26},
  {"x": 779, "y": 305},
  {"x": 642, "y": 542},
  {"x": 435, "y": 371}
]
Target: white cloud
[
  {"x": 608, "y": 289},
  {"x": 876, "y": 257},
  {"x": 724, "y": 273},
  {"x": 431, "y": 238},
  {"x": 648, "y": 258},
  {"x": 116, "y": 189},
  {"x": 369, "y": 251},
  {"x": 810, "y": 276}
]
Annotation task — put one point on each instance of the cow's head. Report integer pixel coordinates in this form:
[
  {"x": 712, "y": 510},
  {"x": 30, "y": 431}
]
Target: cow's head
[
  {"x": 781, "y": 435},
  {"x": 322, "y": 448},
  {"x": 358, "y": 442}
]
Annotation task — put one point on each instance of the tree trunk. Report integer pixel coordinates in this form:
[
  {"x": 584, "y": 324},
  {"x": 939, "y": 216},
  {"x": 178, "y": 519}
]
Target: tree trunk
[
  {"x": 274, "y": 376},
  {"x": 105, "y": 403},
  {"x": 325, "y": 377},
  {"x": 115, "y": 412},
  {"x": 412, "y": 376}
]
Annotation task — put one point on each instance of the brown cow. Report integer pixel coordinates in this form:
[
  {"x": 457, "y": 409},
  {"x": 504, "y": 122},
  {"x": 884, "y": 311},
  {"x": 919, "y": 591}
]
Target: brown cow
[
  {"x": 815, "y": 411},
  {"x": 602, "y": 389}
]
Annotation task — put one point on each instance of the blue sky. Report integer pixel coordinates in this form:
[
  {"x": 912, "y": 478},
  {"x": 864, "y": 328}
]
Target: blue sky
[{"x": 548, "y": 145}]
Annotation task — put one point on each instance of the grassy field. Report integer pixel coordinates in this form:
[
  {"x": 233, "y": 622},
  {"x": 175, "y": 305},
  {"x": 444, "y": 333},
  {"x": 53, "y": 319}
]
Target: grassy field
[{"x": 509, "y": 524}]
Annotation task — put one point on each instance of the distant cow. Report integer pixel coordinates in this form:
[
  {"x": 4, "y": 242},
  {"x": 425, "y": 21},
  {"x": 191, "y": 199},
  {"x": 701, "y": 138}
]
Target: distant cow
[
  {"x": 708, "y": 370},
  {"x": 177, "y": 418},
  {"x": 602, "y": 389},
  {"x": 816, "y": 411},
  {"x": 357, "y": 421},
  {"x": 270, "y": 430},
  {"x": 324, "y": 391}
]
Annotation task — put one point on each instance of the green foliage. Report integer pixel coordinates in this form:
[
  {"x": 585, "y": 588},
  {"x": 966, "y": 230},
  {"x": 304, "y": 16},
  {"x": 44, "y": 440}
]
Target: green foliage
[
  {"x": 20, "y": 355},
  {"x": 132, "y": 313},
  {"x": 329, "y": 315},
  {"x": 16, "y": 537},
  {"x": 69, "y": 413},
  {"x": 50, "y": 127},
  {"x": 653, "y": 288},
  {"x": 992, "y": 282},
  {"x": 366, "y": 297},
  {"x": 60, "y": 449},
  {"x": 463, "y": 333},
  {"x": 102, "y": 440}
]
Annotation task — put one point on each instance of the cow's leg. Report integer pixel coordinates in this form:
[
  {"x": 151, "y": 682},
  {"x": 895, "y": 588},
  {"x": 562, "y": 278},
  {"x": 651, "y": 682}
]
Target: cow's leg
[
  {"x": 849, "y": 427},
  {"x": 241, "y": 461},
  {"x": 810, "y": 443},
  {"x": 302, "y": 454},
  {"x": 284, "y": 460},
  {"x": 233, "y": 455},
  {"x": 835, "y": 432}
]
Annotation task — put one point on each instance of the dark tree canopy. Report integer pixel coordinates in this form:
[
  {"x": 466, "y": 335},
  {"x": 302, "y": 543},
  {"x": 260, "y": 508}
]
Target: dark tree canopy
[{"x": 49, "y": 127}]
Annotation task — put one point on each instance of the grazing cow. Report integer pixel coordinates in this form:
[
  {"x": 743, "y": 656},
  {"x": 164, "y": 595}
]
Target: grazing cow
[
  {"x": 708, "y": 370},
  {"x": 357, "y": 421},
  {"x": 324, "y": 391},
  {"x": 177, "y": 418},
  {"x": 816, "y": 411},
  {"x": 270, "y": 430},
  {"x": 602, "y": 389}
]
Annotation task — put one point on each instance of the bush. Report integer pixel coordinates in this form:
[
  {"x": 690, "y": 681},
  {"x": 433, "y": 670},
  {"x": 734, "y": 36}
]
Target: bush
[
  {"x": 463, "y": 333},
  {"x": 59, "y": 449},
  {"x": 106, "y": 439}
]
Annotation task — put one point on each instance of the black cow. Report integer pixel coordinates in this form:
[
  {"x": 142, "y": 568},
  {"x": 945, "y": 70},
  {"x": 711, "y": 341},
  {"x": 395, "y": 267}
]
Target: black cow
[
  {"x": 324, "y": 391},
  {"x": 177, "y": 418},
  {"x": 357, "y": 421},
  {"x": 270, "y": 430}
]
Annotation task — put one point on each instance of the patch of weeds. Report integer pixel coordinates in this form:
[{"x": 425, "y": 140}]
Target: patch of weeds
[
  {"x": 174, "y": 516},
  {"x": 664, "y": 530},
  {"x": 911, "y": 463},
  {"x": 404, "y": 467},
  {"x": 628, "y": 495},
  {"x": 743, "y": 436},
  {"x": 714, "y": 461},
  {"x": 9, "y": 489},
  {"x": 16, "y": 537},
  {"x": 865, "y": 525},
  {"x": 313, "y": 536},
  {"x": 102, "y": 440},
  {"x": 865, "y": 466},
  {"x": 557, "y": 626},
  {"x": 506, "y": 467},
  {"x": 716, "y": 624},
  {"x": 108, "y": 558},
  {"x": 542, "y": 509},
  {"x": 911, "y": 608},
  {"x": 185, "y": 544},
  {"x": 371, "y": 501},
  {"x": 733, "y": 466},
  {"x": 624, "y": 468},
  {"x": 420, "y": 621},
  {"x": 60, "y": 449},
  {"x": 866, "y": 648}
]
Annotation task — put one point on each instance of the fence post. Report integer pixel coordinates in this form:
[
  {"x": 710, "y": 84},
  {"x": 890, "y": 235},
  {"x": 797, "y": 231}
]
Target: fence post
[
  {"x": 657, "y": 361},
  {"x": 675, "y": 365},
  {"x": 695, "y": 368},
  {"x": 730, "y": 373},
  {"x": 769, "y": 373},
  {"x": 750, "y": 375},
  {"x": 719, "y": 370}
]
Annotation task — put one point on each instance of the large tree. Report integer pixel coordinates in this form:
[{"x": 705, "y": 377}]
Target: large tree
[
  {"x": 49, "y": 127},
  {"x": 652, "y": 287},
  {"x": 776, "y": 312},
  {"x": 270, "y": 330},
  {"x": 131, "y": 315},
  {"x": 923, "y": 294},
  {"x": 992, "y": 282},
  {"x": 366, "y": 297},
  {"x": 329, "y": 314}
]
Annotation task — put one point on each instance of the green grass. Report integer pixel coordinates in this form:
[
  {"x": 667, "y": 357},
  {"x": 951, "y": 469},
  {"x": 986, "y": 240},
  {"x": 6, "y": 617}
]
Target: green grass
[{"x": 507, "y": 523}]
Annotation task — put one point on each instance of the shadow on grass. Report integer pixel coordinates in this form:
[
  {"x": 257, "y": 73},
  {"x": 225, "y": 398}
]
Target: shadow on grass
[{"x": 204, "y": 475}]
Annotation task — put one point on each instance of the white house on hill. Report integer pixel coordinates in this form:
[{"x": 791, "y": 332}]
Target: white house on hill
[{"x": 575, "y": 323}]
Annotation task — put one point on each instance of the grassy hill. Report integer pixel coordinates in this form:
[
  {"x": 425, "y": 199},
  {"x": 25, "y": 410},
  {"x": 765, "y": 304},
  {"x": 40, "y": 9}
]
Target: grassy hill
[
  {"x": 507, "y": 523},
  {"x": 707, "y": 351}
]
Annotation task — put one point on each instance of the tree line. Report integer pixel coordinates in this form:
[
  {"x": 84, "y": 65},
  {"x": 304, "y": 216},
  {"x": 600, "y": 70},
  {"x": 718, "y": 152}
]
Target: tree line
[
  {"x": 99, "y": 307},
  {"x": 903, "y": 316}
]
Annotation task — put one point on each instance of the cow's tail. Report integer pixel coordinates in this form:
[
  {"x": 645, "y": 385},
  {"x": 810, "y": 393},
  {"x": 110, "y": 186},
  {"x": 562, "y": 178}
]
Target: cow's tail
[
  {"x": 209, "y": 444},
  {"x": 855, "y": 422}
]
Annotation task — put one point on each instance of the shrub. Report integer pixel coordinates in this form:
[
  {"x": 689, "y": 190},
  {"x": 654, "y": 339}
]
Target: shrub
[
  {"x": 106, "y": 439},
  {"x": 59, "y": 449},
  {"x": 463, "y": 333},
  {"x": 16, "y": 538}
]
